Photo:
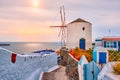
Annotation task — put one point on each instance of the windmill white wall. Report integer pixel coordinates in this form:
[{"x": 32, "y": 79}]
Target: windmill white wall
[{"x": 79, "y": 29}]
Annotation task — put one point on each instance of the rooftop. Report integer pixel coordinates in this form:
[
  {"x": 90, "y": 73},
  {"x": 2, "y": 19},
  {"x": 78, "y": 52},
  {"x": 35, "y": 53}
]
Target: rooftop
[
  {"x": 112, "y": 38},
  {"x": 79, "y": 20}
]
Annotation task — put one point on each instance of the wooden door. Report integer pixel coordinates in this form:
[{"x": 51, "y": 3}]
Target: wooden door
[
  {"x": 91, "y": 71},
  {"x": 82, "y": 44}
]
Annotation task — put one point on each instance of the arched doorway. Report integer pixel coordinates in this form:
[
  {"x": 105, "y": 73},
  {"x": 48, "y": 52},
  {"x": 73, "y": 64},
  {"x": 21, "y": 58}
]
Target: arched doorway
[{"x": 82, "y": 43}]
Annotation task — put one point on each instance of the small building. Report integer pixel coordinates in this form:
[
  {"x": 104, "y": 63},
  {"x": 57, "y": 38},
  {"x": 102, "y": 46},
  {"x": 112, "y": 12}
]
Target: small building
[
  {"x": 79, "y": 34},
  {"x": 100, "y": 55},
  {"x": 98, "y": 42},
  {"x": 109, "y": 42}
]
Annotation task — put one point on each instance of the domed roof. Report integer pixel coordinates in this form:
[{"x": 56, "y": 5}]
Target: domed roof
[{"x": 79, "y": 20}]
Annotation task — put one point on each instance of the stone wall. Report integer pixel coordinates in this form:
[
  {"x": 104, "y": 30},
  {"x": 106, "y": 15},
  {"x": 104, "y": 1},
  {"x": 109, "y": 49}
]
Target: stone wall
[
  {"x": 70, "y": 63},
  {"x": 63, "y": 56},
  {"x": 72, "y": 69}
]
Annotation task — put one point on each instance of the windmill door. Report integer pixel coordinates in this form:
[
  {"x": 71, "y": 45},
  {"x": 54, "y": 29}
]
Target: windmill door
[
  {"x": 82, "y": 44},
  {"x": 91, "y": 71}
]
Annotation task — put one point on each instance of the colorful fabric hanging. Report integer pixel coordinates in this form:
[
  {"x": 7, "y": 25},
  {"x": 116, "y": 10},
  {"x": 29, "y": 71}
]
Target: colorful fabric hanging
[{"x": 13, "y": 58}]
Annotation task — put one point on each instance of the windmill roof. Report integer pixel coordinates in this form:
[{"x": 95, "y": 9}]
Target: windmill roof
[{"x": 79, "y": 20}]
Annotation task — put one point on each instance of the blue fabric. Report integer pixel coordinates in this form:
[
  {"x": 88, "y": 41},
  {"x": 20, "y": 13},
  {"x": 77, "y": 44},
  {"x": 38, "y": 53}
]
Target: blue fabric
[{"x": 44, "y": 51}]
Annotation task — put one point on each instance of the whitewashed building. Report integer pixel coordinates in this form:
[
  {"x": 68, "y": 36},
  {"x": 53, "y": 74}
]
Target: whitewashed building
[
  {"x": 79, "y": 34},
  {"x": 109, "y": 42},
  {"x": 98, "y": 42}
]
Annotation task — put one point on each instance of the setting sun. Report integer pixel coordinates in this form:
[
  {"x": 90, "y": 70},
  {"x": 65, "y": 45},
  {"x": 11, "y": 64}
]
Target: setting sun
[{"x": 35, "y": 3}]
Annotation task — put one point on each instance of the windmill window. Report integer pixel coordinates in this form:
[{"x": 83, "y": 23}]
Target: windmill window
[{"x": 83, "y": 28}]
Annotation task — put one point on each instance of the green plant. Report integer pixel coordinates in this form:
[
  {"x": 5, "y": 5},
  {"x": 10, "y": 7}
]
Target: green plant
[
  {"x": 76, "y": 48},
  {"x": 77, "y": 53},
  {"x": 116, "y": 68}
]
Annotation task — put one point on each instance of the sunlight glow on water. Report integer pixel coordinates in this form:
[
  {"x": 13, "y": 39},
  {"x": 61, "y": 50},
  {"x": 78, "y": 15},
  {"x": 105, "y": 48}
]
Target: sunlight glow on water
[
  {"x": 33, "y": 45},
  {"x": 22, "y": 48}
]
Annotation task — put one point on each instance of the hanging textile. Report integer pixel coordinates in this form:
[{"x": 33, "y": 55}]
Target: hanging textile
[{"x": 13, "y": 58}]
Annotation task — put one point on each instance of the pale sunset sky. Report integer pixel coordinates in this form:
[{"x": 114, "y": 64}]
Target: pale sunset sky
[{"x": 29, "y": 20}]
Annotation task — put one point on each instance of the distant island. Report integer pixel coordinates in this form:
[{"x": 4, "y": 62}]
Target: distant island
[{"x": 4, "y": 44}]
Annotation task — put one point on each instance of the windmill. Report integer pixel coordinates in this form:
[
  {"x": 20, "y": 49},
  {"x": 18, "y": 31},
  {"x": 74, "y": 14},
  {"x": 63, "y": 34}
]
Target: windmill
[{"x": 62, "y": 32}]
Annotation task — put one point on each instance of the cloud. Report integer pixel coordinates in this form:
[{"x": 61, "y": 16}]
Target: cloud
[
  {"x": 14, "y": 3},
  {"x": 19, "y": 16}
]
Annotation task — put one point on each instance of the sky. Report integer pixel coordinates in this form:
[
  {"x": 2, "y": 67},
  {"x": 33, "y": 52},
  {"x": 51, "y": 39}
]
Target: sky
[{"x": 29, "y": 20}]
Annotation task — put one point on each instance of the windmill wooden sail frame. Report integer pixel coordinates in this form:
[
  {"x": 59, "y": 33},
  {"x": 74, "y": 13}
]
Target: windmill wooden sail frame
[{"x": 62, "y": 32}]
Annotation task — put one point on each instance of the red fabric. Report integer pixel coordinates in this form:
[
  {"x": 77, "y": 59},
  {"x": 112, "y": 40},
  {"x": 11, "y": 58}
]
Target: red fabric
[{"x": 13, "y": 58}]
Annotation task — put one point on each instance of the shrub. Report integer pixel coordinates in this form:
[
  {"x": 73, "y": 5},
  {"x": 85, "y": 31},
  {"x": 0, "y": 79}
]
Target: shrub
[
  {"x": 116, "y": 68},
  {"x": 77, "y": 53}
]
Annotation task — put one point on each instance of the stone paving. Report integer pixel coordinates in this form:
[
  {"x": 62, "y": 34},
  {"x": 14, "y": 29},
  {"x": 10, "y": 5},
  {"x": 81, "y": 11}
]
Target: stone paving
[{"x": 58, "y": 74}]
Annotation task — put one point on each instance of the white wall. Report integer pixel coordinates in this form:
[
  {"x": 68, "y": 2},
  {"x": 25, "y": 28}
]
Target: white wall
[
  {"x": 111, "y": 48},
  {"x": 26, "y": 67},
  {"x": 98, "y": 43},
  {"x": 75, "y": 33}
]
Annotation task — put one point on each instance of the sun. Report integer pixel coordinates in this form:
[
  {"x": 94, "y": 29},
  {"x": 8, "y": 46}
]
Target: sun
[{"x": 35, "y": 3}]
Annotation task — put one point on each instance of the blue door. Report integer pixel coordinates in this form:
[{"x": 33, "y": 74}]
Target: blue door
[
  {"x": 119, "y": 45},
  {"x": 102, "y": 57},
  {"x": 91, "y": 71},
  {"x": 82, "y": 44}
]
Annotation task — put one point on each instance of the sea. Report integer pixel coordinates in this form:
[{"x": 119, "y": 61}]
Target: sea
[{"x": 28, "y": 47}]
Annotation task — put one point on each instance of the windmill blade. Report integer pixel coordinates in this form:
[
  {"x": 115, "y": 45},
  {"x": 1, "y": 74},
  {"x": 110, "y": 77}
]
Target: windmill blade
[
  {"x": 55, "y": 26},
  {"x": 63, "y": 36},
  {"x": 61, "y": 15},
  {"x": 60, "y": 32},
  {"x": 64, "y": 16}
]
